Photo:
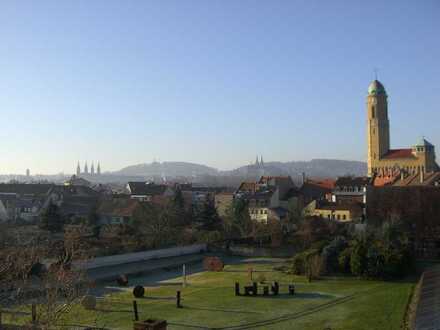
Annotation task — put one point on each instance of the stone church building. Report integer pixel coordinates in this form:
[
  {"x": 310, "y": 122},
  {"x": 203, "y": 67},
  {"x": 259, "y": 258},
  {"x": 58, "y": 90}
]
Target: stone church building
[{"x": 382, "y": 160}]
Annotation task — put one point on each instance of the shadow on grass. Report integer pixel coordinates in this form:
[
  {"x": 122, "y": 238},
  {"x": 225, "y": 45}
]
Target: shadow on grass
[
  {"x": 220, "y": 310},
  {"x": 164, "y": 284},
  {"x": 157, "y": 298},
  {"x": 299, "y": 295},
  {"x": 312, "y": 295},
  {"x": 246, "y": 271},
  {"x": 108, "y": 310}
]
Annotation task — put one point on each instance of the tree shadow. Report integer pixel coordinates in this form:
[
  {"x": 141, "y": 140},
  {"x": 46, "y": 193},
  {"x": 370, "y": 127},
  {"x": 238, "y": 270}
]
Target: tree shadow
[
  {"x": 307, "y": 295},
  {"x": 157, "y": 298},
  {"x": 108, "y": 310},
  {"x": 220, "y": 310}
]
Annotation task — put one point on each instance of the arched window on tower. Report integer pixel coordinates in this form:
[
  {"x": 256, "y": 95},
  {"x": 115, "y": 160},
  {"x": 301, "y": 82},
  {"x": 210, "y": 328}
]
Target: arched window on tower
[{"x": 373, "y": 111}]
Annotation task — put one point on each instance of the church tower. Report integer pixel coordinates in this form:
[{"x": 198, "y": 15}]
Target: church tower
[
  {"x": 86, "y": 169},
  {"x": 78, "y": 170},
  {"x": 378, "y": 126},
  {"x": 92, "y": 169}
]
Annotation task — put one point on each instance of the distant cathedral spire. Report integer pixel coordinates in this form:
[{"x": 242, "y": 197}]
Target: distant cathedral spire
[
  {"x": 92, "y": 169},
  {"x": 78, "y": 170},
  {"x": 86, "y": 169},
  {"x": 261, "y": 161},
  {"x": 257, "y": 162}
]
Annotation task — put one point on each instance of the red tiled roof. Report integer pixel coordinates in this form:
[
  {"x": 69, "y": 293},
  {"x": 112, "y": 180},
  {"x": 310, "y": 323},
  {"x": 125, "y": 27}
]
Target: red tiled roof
[
  {"x": 324, "y": 183},
  {"x": 248, "y": 186},
  {"x": 265, "y": 179},
  {"x": 383, "y": 180},
  {"x": 399, "y": 153}
]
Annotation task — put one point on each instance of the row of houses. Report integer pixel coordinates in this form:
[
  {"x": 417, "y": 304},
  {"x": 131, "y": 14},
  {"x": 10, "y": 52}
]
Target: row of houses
[
  {"x": 271, "y": 197},
  {"x": 77, "y": 198},
  {"x": 344, "y": 199},
  {"x": 25, "y": 202},
  {"x": 351, "y": 196}
]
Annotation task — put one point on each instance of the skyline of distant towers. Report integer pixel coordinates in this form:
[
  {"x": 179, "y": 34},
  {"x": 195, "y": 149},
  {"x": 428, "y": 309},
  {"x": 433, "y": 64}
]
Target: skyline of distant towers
[
  {"x": 259, "y": 163},
  {"x": 86, "y": 169},
  {"x": 256, "y": 169}
]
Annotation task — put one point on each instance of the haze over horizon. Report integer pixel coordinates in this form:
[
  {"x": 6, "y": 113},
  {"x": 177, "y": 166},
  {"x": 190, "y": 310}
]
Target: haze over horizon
[{"x": 213, "y": 83}]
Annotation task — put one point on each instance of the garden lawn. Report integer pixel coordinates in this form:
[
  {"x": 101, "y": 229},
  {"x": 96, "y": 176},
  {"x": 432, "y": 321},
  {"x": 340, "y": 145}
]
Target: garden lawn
[{"x": 208, "y": 301}]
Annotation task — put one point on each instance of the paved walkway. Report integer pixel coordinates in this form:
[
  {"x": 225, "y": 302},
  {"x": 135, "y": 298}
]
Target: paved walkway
[{"x": 428, "y": 309}]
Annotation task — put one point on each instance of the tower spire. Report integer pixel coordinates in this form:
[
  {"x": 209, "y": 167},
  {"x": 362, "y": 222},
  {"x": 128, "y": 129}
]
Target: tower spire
[{"x": 78, "y": 170}]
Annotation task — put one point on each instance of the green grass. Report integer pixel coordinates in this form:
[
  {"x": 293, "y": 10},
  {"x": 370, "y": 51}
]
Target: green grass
[{"x": 209, "y": 302}]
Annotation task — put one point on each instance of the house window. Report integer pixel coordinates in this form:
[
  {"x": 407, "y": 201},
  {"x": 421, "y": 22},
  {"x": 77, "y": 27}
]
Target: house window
[
  {"x": 373, "y": 112},
  {"x": 339, "y": 217},
  {"x": 344, "y": 217}
]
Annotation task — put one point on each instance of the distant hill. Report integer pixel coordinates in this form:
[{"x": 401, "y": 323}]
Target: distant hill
[
  {"x": 168, "y": 169},
  {"x": 313, "y": 168}
]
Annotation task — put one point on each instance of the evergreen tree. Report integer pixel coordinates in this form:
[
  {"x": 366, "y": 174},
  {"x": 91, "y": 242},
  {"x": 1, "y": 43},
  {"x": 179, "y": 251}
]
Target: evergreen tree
[
  {"x": 207, "y": 217},
  {"x": 177, "y": 209},
  {"x": 51, "y": 219},
  {"x": 240, "y": 217}
]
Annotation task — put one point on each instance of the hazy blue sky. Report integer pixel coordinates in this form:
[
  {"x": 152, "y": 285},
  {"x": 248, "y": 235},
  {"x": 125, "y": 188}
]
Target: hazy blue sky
[{"x": 214, "y": 82}]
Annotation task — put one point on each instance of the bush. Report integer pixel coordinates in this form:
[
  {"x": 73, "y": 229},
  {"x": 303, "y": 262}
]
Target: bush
[
  {"x": 299, "y": 261},
  {"x": 375, "y": 262},
  {"x": 315, "y": 266},
  {"x": 331, "y": 252},
  {"x": 358, "y": 259},
  {"x": 344, "y": 260}
]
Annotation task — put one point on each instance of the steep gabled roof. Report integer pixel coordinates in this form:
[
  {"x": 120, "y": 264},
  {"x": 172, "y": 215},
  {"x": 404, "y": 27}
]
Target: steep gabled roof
[
  {"x": 327, "y": 184},
  {"x": 26, "y": 189},
  {"x": 348, "y": 181},
  {"x": 247, "y": 186},
  {"x": 429, "y": 179},
  {"x": 398, "y": 153},
  {"x": 146, "y": 188},
  {"x": 423, "y": 143},
  {"x": 276, "y": 179}
]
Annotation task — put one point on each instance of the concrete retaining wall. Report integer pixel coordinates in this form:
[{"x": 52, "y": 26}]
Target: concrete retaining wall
[
  {"x": 249, "y": 251},
  {"x": 120, "y": 259}
]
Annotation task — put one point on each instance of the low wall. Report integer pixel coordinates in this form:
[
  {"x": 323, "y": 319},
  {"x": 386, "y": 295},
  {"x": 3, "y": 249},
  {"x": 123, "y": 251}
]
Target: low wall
[
  {"x": 141, "y": 256},
  {"x": 250, "y": 251}
]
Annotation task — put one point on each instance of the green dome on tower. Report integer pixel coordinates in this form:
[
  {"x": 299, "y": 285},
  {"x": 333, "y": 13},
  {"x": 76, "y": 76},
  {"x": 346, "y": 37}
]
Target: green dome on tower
[{"x": 376, "y": 88}]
